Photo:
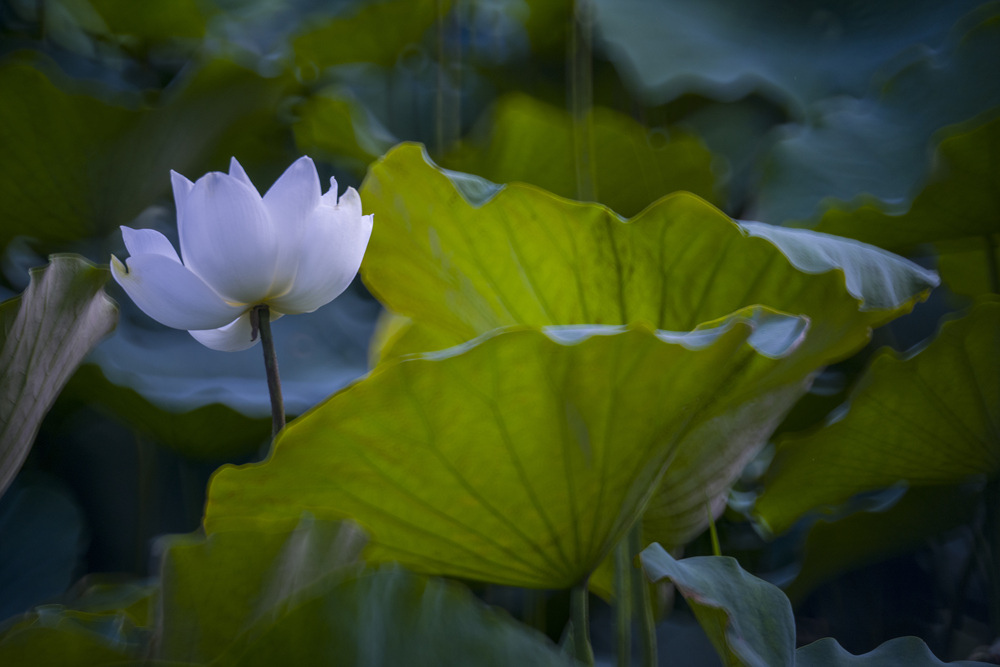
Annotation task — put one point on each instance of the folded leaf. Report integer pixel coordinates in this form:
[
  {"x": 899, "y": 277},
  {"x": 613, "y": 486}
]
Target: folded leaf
[
  {"x": 44, "y": 335},
  {"x": 748, "y": 620}
]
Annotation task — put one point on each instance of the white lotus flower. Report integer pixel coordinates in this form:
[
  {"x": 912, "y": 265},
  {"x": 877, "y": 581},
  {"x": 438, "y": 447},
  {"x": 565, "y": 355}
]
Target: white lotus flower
[{"x": 293, "y": 250}]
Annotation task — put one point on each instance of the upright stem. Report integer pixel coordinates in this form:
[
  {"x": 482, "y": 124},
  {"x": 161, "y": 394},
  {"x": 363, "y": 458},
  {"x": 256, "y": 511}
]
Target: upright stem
[
  {"x": 581, "y": 94},
  {"x": 623, "y": 602},
  {"x": 713, "y": 533},
  {"x": 260, "y": 321},
  {"x": 644, "y": 605},
  {"x": 580, "y": 616}
]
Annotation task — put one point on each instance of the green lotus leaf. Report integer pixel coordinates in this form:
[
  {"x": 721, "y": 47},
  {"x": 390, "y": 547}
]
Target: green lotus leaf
[
  {"x": 375, "y": 33},
  {"x": 53, "y": 635},
  {"x": 391, "y": 617},
  {"x": 217, "y": 587},
  {"x": 459, "y": 256},
  {"x": 533, "y": 142},
  {"x": 465, "y": 256},
  {"x": 926, "y": 419},
  {"x": 959, "y": 200},
  {"x": 298, "y": 596},
  {"x": 717, "y": 48},
  {"x": 750, "y": 621},
  {"x": 518, "y": 458},
  {"x": 44, "y": 335},
  {"x": 857, "y": 149}
]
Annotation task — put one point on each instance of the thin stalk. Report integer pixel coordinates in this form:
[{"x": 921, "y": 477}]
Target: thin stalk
[
  {"x": 623, "y": 603},
  {"x": 439, "y": 128},
  {"x": 580, "y": 616},
  {"x": 643, "y": 602},
  {"x": 581, "y": 98},
  {"x": 712, "y": 532},
  {"x": 260, "y": 322}
]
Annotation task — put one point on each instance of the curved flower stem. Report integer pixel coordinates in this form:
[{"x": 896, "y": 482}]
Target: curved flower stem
[{"x": 260, "y": 321}]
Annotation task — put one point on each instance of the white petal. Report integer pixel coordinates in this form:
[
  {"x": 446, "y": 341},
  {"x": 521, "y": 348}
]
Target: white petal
[
  {"x": 330, "y": 256},
  {"x": 350, "y": 203},
  {"x": 293, "y": 196},
  {"x": 236, "y": 171},
  {"x": 171, "y": 294},
  {"x": 182, "y": 188},
  {"x": 290, "y": 202},
  {"x": 330, "y": 196},
  {"x": 148, "y": 242},
  {"x": 227, "y": 238},
  {"x": 233, "y": 337}
]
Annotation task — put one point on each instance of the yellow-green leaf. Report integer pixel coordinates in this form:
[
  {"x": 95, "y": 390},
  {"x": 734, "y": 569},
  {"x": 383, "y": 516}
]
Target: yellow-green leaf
[
  {"x": 519, "y": 458},
  {"x": 932, "y": 418}
]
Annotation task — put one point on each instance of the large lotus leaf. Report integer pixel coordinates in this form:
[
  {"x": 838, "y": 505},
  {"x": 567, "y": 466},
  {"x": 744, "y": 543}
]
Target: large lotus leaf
[
  {"x": 750, "y": 621},
  {"x": 877, "y": 146},
  {"x": 726, "y": 49},
  {"x": 44, "y": 335},
  {"x": 518, "y": 458},
  {"x": 533, "y": 142},
  {"x": 375, "y": 33},
  {"x": 256, "y": 597},
  {"x": 391, "y": 617},
  {"x": 927, "y": 419},
  {"x": 960, "y": 200},
  {"x": 53, "y": 635},
  {"x": 217, "y": 587},
  {"x": 75, "y": 165},
  {"x": 460, "y": 256}
]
